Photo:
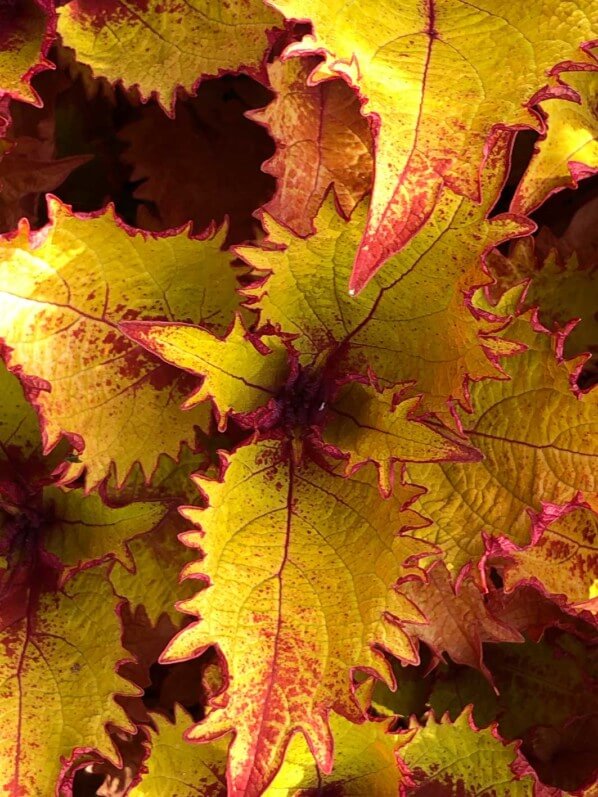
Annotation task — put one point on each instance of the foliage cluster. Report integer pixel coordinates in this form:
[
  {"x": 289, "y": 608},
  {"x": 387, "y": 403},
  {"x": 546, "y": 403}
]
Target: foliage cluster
[{"x": 298, "y": 416}]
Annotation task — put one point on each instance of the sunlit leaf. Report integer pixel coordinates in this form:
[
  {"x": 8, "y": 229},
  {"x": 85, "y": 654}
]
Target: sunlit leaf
[
  {"x": 570, "y": 149},
  {"x": 310, "y": 602},
  {"x": 58, "y": 657},
  {"x": 413, "y": 322},
  {"x": 159, "y": 45},
  {"x": 63, "y": 293},
  {"x": 443, "y": 65},
  {"x": 241, "y": 373},
  {"x": 322, "y": 140},
  {"x": 364, "y": 763},
  {"x": 539, "y": 439}
]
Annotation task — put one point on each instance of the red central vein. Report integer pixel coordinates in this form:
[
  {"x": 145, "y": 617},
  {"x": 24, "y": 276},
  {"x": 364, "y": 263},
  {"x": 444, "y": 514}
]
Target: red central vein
[
  {"x": 432, "y": 34},
  {"x": 275, "y": 667},
  {"x": 17, "y": 765}
]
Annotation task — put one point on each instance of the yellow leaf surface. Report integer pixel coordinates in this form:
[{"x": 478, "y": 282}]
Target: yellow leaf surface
[
  {"x": 371, "y": 426},
  {"x": 540, "y": 444},
  {"x": 322, "y": 140},
  {"x": 26, "y": 32},
  {"x": 563, "y": 557},
  {"x": 428, "y": 73},
  {"x": 159, "y": 45},
  {"x": 412, "y": 322},
  {"x": 457, "y": 758},
  {"x": 64, "y": 291},
  {"x": 569, "y": 151},
  {"x": 240, "y": 373},
  {"x": 176, "y": 767},
  {"x": 310, "y": 601},
  {"x": 83, "y": 530},
  {"x": 364, "y": 763},
  {"x": 158, "y": 556},
  {"x": 58, "y": 657}
]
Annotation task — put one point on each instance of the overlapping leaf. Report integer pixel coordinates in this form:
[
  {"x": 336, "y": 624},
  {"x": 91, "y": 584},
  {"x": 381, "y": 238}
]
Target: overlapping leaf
[
  {"x": 25, "y": 172},
  {"x": 562, "y": 288},
  {"x": 410, "y": 52},
  {"x": 364, "y": 763},
  {"x": 312, "y": 598},
  {"x": 322, "y": 140},
  {"x": 191, "y": 168},
  {"x": 82, "y": 530},
  {"x": 57, "y": 677},
  {"x": 412, "y": 322},
  {"x": 570, "y": 149},
  {"x": 445, "y": 758},
  {"x": 539, "y": 439},
  {"x": 241, "y": 372},
  {"x": 159, "y": 45},
  {"x": 64, "y": 292},
  {"x": 562, "y": 556},
  {"x": 26, "y": 32},
  {"x": 157, "y": 557},
  {"x": 458, "y": 621},
  {"x": 175, "y": 767}
]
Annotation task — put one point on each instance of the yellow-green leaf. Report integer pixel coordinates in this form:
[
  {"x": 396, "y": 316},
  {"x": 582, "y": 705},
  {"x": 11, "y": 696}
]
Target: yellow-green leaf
[
  {"x": 448, "y": 758},
  {"x": 296, "y": 614},
  {"x": 175, "y": 767},
  {"x": 369, "y": 426},
  {"x": 412, "y": 322},
  {"x": 428, "y": 75},
  {"x": 26, "y": 33},
  {"x": 569, "y": 151},
  {"x": 64, "y": 291},
  {"x": 540, "y": 444},
  {"x": 364, "y": 763},
  {"x": 240, "y": 373},
  {"x": 159, "y": 45},
  {"x": 83, "y": 530},
  {"x": 58, "y": 656},
  {"x": 562, "y": 555}
]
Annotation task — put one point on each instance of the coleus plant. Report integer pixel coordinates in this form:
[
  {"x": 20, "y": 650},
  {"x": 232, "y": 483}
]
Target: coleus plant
[{"x": 298, "y": 425}]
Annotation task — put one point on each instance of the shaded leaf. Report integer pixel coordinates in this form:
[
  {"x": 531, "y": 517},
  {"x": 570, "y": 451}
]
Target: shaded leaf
[
  {"x": 458, "y": 621},
  {"x": 82, "y": 530},
  {"x": 322, "y": 140},
  {"x": 191, "y": 168},
  {"x": 25, "y": 173},
  {"x": 562, "y": 290},
  {"x": 544, "y": 683},
  {"x": 64, "y": 292},
  {"x": 159, "y": 45},
  {"x": 413, "y": 51},
  {"x": 446, "y": 758},
  {"x": 310, "y": 602}
]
